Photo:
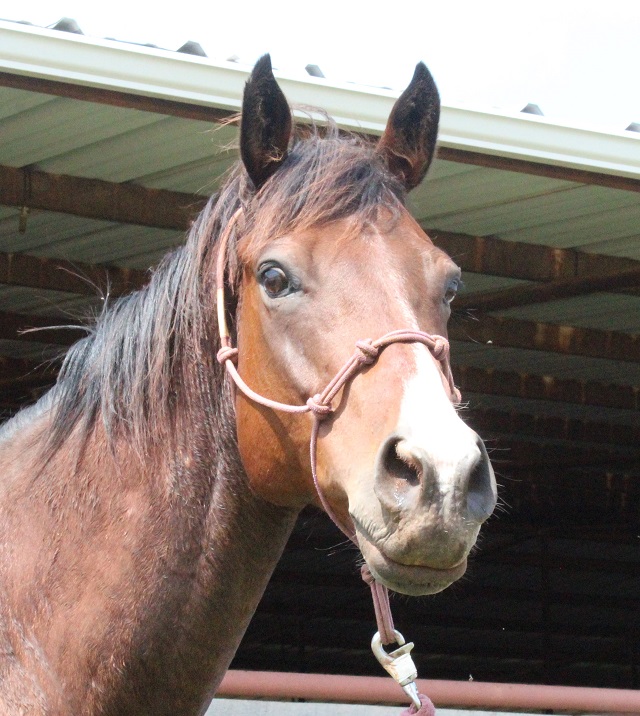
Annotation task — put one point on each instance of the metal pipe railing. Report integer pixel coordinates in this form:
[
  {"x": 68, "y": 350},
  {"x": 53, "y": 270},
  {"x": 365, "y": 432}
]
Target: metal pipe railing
[{"x": 465, "y": 694}]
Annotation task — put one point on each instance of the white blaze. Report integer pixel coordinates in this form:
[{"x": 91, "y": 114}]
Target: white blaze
[{"x": 432, "y": 432}]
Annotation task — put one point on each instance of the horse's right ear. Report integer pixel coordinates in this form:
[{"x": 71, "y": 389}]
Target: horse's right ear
[{"x": 265, "y": 127}]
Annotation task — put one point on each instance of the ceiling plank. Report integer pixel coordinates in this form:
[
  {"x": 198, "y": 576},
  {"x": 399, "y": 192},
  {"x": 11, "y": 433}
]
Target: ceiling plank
[
  {"x": 97, "y": 199},
  {"x": 549, "y": 337}
]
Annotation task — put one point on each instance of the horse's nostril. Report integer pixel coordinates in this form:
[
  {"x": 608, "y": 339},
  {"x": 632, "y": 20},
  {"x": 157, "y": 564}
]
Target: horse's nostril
[
  {"x": 481, "y": 493},
  {"x": 401, "y": 466}
]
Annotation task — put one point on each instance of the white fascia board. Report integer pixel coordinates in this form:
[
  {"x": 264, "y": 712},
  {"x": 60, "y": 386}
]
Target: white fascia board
[
  {"x": 124, "y": 67},
  {"x": 163, "y": 74},
  {"x": 539, "y": 139}
]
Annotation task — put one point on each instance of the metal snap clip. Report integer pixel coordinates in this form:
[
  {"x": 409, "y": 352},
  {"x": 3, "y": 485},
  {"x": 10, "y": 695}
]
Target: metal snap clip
[{"x": 398, "y": 664}]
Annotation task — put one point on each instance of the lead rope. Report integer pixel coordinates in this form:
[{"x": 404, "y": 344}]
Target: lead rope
[{"x": 397, "y": 663}]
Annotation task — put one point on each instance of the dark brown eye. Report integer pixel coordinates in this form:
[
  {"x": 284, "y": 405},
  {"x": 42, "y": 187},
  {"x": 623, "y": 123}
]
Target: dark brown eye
[
  {"x": 275, "y": 281},
  {"x": 449, "y": 295},
  {"x": 451, "y": 291}
]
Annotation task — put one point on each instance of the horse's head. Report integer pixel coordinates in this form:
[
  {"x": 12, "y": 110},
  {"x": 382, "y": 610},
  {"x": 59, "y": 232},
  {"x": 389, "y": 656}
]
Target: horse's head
[{"x": 328, "y": 256}]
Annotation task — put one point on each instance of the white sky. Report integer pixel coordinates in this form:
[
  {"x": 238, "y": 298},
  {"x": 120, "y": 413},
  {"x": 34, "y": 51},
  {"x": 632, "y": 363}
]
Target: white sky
[{"x": 579, "y": 60}]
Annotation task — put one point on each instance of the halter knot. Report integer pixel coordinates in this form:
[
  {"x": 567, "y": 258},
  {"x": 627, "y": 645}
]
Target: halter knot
[
  {"x": 367, "y": 577},
  {"x": 318, "y": 408},
  {"x": 440, "y": 348},
  {"x": 368, "y": 352},
  {"x": 227, "y": 353}
]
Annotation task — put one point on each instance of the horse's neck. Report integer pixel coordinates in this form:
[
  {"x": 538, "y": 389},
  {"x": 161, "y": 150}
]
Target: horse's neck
[
  {"x": 245, "y": 539},
  {"x": 226, "y": 543},
  {"x": 157, "y": 570}
]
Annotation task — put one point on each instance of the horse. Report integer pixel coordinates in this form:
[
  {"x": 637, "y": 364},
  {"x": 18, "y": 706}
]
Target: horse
[{"x": 145, "y": 499}]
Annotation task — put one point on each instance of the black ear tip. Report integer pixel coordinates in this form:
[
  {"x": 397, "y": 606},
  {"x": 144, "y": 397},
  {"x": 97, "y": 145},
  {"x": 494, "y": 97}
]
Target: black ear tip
[
  {"x": 263, "y": 66},
  {"x": 421, "y": 70},
  {"x": 422, "y": 76}
]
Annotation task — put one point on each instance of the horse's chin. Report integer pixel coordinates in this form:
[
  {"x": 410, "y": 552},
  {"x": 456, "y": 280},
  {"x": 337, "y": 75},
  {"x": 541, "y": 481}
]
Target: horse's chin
[{"x": 412, "y": 579}]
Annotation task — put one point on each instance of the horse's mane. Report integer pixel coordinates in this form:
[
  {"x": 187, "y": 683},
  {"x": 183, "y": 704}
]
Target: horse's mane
[{"x": 148, "y": 351}]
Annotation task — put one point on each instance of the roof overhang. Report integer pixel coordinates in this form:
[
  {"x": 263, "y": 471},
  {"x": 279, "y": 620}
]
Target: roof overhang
[{"x": 173, "y": 76}]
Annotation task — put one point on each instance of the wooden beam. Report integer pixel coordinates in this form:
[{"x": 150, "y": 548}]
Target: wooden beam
[
  {"x": 551, "y": 171},
  {"x": 550, "y": 337},
  {"x": 114, "y": 98},
  {"x": 134, "y": 204},
  {"x": 488, "y": 422},
  {"x": 68, "y": 276},
  {"x": 544, "y": 387},
  {"x": 520, "y": 454},
  {"x": 216, "y": 115},
  {"x": 97, "y": 199},
  {"x": 553, "y": 291},
  {"x": 528, "y": 262}
]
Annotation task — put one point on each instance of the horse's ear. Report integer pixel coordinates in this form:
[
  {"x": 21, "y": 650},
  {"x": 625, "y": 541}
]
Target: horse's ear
[
  {"x": 265, "y": 127},
  {"x": 409, "y": 140}
]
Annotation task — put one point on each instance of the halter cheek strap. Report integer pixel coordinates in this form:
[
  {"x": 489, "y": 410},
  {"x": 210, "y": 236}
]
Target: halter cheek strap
[{"x": 320, "y": 405}]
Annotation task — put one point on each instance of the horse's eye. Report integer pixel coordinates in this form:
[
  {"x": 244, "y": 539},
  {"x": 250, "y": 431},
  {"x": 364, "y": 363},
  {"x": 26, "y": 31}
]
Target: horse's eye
[
  {"x": 275, "y": 281},
  {"x": 451, "y": 290}
]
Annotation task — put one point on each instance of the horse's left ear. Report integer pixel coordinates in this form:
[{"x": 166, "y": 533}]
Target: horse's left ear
[
  {"x": 265, "y": 127},
  {"x": 409, "y": 140}
]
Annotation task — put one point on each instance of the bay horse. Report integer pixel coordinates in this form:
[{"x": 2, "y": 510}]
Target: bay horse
[{"x": 145, "y": 501}]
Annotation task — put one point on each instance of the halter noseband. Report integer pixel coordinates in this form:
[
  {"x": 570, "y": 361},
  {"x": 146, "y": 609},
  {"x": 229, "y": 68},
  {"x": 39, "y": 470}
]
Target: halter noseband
[{"x": 367, "y": 352}]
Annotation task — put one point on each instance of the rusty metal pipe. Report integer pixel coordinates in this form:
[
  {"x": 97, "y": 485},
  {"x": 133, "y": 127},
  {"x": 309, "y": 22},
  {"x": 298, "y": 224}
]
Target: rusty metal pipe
[{"x": 470, "y": 694}]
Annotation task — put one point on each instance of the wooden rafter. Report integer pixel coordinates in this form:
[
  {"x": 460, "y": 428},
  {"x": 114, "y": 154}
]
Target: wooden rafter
[
  {"x": 553, "y": 291},
  {"x": 544, "y": 387},
  {"x": 527, "y": 262},
  {"x": 550, "y": 337},
  {"x": 551, "y": 171},
  {"x": 72, "y": 277},
  {"x": 172, "y": 108},
  {"x": 137, "y": 205},
  {"x": 98, "y": 199},
  {"x": 501, "y": 422}
]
